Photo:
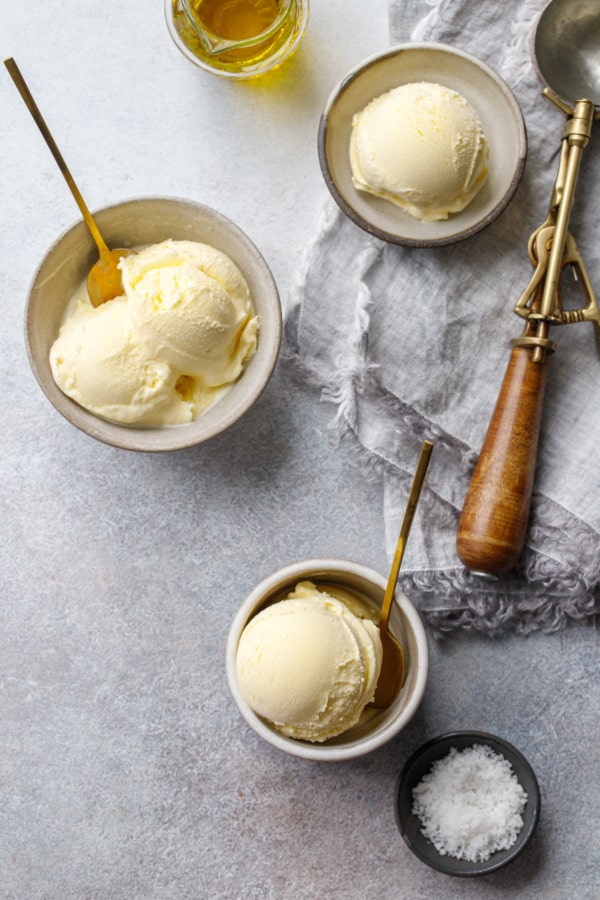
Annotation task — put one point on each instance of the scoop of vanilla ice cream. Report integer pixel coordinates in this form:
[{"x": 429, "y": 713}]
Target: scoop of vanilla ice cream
[
  {"x": 169, "y": 348},
  {"x": 98, "y": 362},
  {"x": 422, "y": 147},
  {"x": 191, "y": 306},
  {"x": 308, "y": 664}
]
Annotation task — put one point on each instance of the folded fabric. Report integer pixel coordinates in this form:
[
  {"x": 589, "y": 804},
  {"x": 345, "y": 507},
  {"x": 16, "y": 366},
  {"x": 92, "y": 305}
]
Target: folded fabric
[{"x": 413, "y": 343}]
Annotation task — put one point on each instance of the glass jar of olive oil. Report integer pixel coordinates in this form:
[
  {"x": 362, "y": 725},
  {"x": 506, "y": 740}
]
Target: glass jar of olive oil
[{"x": 237, "y": 38}]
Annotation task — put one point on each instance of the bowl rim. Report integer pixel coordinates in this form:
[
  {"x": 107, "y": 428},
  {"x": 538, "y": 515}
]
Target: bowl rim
[
  {"x": 467, "y": 738},
  {"x": 325, "y": 752},
  {"x": 374, "y": 229},
  {"x": 169, "y": 438}
]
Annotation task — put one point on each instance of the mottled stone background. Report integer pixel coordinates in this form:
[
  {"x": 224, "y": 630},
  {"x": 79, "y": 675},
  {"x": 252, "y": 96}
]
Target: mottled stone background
[{"x": 125, "y": 770}]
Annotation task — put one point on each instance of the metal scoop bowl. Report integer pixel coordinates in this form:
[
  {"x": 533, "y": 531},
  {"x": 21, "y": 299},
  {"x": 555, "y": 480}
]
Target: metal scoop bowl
[{"x": 567, "y": 49}]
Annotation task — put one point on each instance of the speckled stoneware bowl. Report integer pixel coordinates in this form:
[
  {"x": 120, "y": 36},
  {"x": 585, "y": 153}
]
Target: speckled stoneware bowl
[
  {"x": 139, "y": 222},
  {"x": 380, "y": 726},
  {"x": 496, "y": 108},
  {"x": 420, "y": 764}
]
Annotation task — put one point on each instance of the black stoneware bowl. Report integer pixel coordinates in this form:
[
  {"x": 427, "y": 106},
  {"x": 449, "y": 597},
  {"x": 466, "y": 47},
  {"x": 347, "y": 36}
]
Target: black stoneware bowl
[{"x": 419, "y": 765}]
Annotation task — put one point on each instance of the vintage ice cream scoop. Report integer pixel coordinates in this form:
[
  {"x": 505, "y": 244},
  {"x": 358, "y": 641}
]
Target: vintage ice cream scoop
[
  {"x": 493, "y": 523},
  {"x": 104, "y": 278}
]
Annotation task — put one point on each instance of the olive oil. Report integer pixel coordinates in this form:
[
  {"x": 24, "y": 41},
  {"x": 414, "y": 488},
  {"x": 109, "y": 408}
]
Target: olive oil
[
  {"x": 235, "y": 20},
  {"x": 239, "y": 38}
]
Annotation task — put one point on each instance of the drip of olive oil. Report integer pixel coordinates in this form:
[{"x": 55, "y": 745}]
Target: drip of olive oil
[{"x": 235, "y": 20}]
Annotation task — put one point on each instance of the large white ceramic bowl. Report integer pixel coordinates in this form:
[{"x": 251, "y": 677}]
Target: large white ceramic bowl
[
  {"x": 381, "y": 725},
  {"x": 138, "y": 222}
]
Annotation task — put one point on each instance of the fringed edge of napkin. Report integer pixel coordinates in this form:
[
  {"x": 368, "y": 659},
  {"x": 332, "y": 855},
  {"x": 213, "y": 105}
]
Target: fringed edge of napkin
[{"x": 543, "y": 593}]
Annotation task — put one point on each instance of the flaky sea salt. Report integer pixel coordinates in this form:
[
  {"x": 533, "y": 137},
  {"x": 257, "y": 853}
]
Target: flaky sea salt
[{"x": 470, "y": 804}]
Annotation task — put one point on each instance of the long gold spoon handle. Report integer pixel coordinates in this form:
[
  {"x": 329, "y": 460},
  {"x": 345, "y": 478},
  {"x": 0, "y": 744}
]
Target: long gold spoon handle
[
  {"x": 15, "y": 74},
  {"x": 409, "y": 514}
]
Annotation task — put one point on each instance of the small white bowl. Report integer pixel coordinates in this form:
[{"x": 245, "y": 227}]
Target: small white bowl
[
  {"x": 405, "y": 622},
  {"x": 497, "y": 110},
  {"x": 139, "y": 222}
]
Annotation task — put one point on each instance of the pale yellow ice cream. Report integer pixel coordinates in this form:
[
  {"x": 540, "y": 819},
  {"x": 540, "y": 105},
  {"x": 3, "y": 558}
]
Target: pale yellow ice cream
[
  {"x": 99, "y": 363},
  {"x": 169, "y": 348},
  {"x": 192, "y": 306},
  {"x": 422, "y": 147},
  {"x": 309, "y": 664}
]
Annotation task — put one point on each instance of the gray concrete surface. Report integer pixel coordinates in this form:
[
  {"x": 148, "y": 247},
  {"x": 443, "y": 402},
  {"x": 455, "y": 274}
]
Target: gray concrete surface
[{"x": 125, "y": 770}]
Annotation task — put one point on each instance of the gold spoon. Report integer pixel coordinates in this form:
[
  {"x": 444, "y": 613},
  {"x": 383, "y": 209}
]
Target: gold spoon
[
  {"x": 104, "y": 279},
  {"x": 393, "y": 667}
]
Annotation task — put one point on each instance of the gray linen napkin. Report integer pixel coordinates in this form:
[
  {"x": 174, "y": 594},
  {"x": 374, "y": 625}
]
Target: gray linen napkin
[{"x": 413, "y": 343}]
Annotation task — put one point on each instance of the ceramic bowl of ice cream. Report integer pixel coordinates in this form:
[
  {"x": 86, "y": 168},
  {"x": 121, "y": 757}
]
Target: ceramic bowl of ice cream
[
  {"x": 241, "y": 309},
  {"x": 409, "y": 147},
  {"x": 256, "y": 632}
]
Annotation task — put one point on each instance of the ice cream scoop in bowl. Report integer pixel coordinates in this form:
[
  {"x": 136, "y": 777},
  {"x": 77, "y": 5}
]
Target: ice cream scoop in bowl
[
  {"x": 112, "y": 329},
  {"x": 400, "y": 150},
  {"x": 321, "y": 673}
]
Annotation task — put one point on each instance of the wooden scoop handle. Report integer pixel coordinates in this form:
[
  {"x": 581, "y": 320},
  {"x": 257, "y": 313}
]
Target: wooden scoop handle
[{"x": 492, "y": 526}]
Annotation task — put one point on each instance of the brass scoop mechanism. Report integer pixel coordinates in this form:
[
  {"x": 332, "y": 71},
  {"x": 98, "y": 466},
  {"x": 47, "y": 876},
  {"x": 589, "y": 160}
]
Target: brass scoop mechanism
[
  {"x": 552, "y": 247},
  {"x": 492, "y": 527}
]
